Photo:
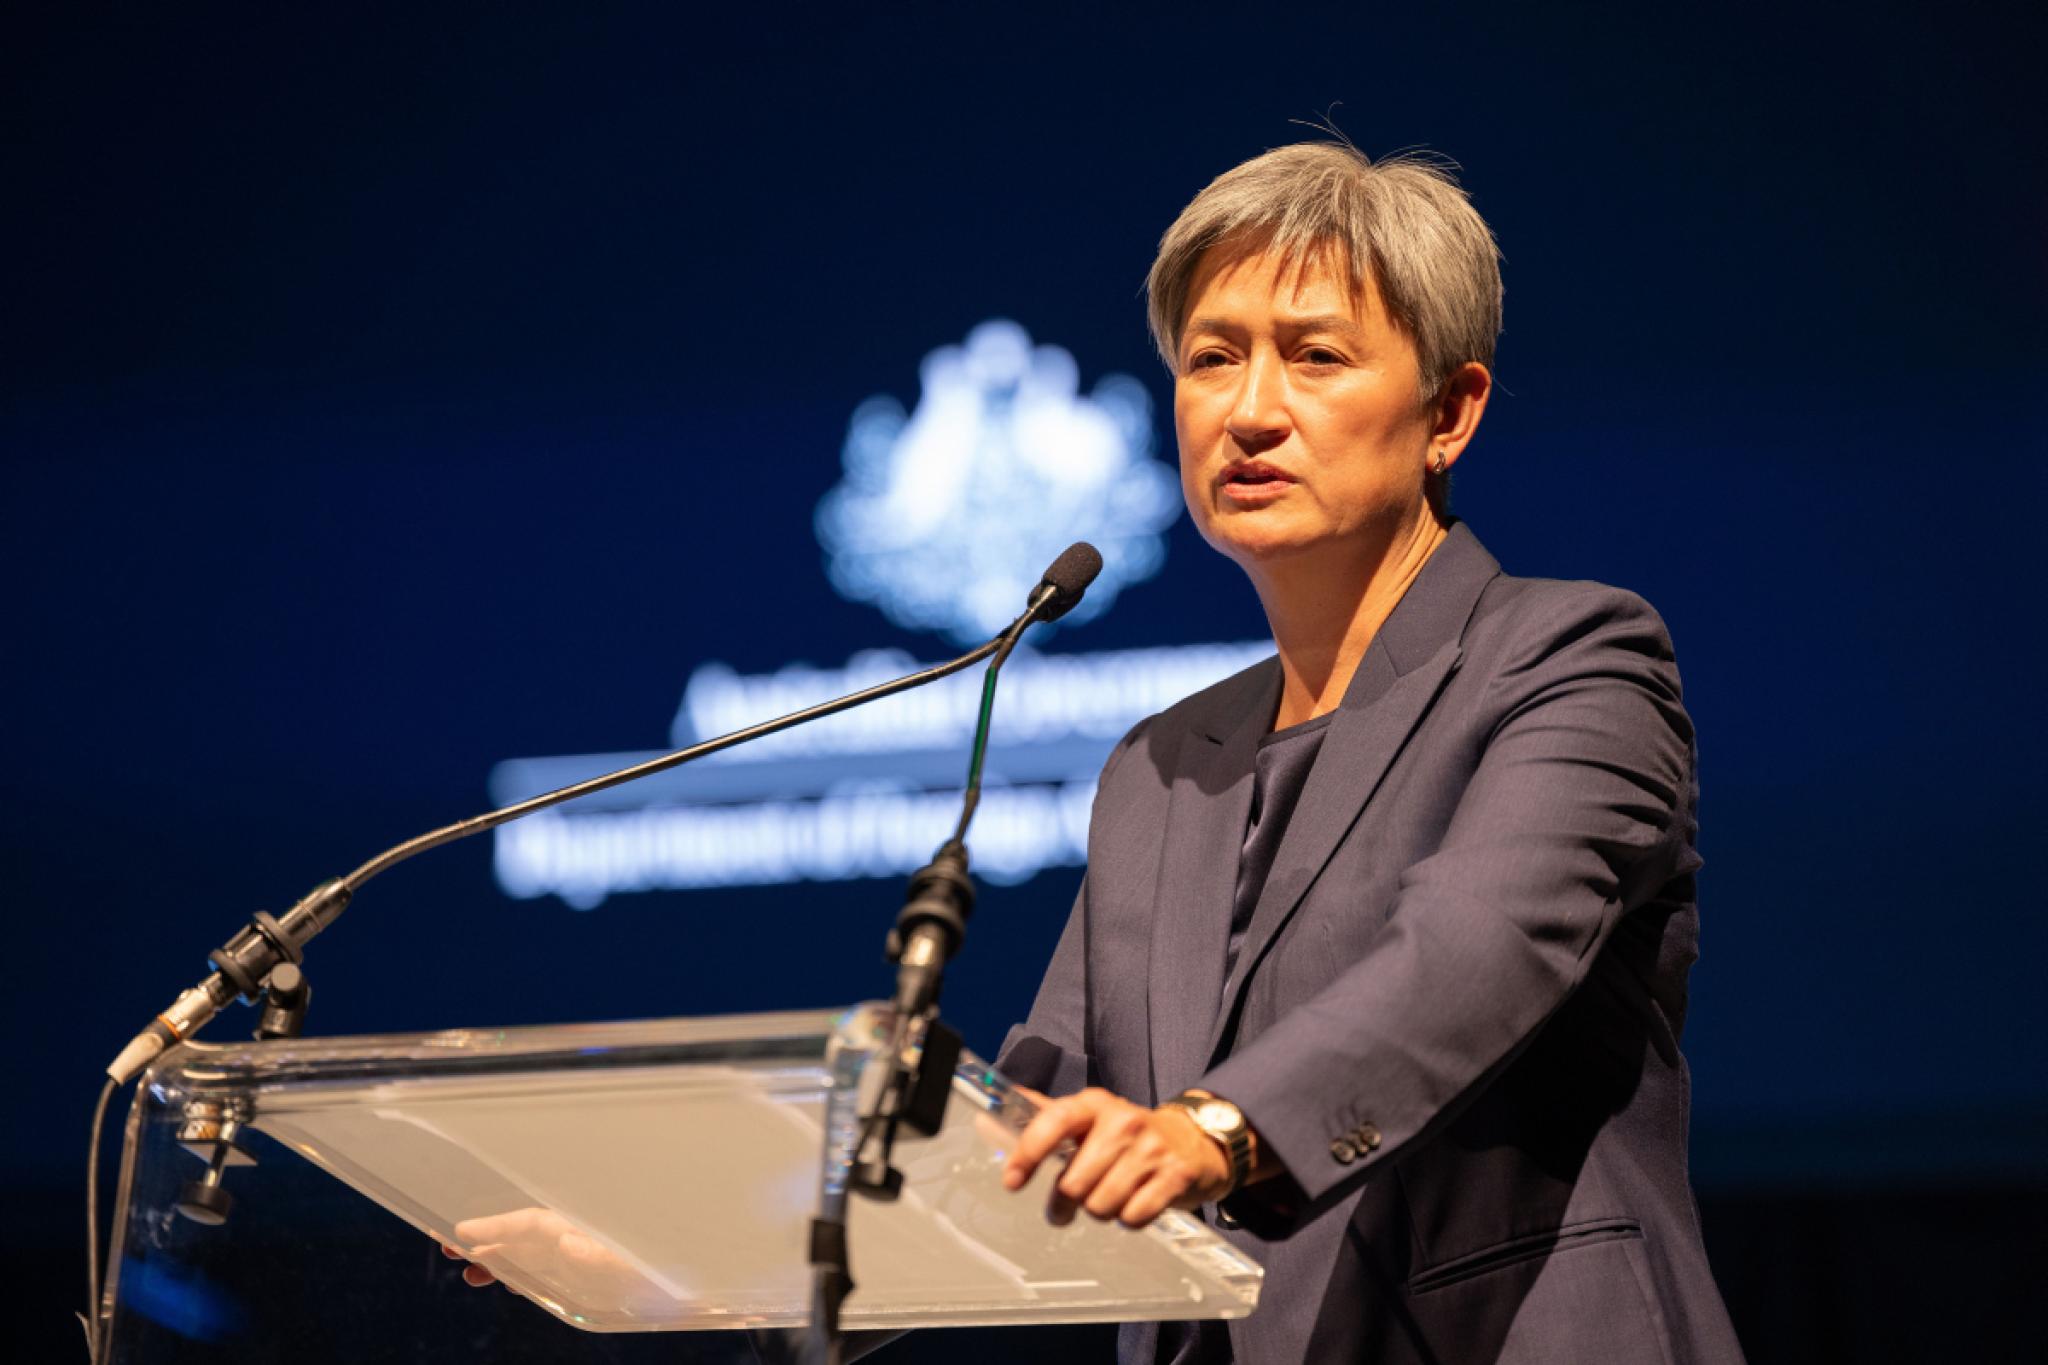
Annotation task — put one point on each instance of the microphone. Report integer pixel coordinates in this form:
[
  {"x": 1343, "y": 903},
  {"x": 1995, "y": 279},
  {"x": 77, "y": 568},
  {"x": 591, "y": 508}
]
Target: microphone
[
  {"x": 930, "y": 928},
  {"x": 928, "y": 934},
  {"x": 243, "y": 965},
  {"x": 1068, "y": 577}
]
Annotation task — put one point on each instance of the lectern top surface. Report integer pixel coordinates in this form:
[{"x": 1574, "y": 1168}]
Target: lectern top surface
[
  {"x": 661, "y": 1175},
  {"x": 792, "y": 1033}
]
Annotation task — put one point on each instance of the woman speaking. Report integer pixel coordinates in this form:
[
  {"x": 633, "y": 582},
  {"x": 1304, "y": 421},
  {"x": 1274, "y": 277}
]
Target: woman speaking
[{"x": 1381, "y": 952}]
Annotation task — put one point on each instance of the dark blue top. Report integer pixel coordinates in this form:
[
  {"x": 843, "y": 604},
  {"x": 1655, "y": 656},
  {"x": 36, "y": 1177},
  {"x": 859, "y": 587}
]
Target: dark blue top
[{"x": 1284, "y": 759}]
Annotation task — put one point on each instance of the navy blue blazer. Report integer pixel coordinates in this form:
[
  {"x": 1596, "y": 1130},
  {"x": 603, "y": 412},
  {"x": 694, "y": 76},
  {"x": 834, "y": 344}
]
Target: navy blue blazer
[{"x": 1455, "y": 1016}]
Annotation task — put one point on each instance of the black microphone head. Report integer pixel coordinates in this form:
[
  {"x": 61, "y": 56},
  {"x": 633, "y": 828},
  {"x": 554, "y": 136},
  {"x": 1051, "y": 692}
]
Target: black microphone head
[{"x": 1069, "y": 577}]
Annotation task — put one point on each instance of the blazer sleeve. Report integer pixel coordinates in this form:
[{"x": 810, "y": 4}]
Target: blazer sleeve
[
  {"x": 1049, "y": 1050},
  {"x": 1569, "y": 820}
]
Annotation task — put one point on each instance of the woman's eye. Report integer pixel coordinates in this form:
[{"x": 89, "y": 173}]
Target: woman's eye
[
  {"x": 1207, "y": 360},
  {"x": 1317, "y": 355}
]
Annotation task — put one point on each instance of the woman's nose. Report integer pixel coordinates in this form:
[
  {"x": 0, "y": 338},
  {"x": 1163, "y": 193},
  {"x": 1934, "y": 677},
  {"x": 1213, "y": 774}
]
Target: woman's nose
[{"x": 1258, "y": 417}]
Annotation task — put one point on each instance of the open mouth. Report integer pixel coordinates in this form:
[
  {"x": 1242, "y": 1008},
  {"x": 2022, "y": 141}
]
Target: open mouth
[{"x": 1254, "y": 475}]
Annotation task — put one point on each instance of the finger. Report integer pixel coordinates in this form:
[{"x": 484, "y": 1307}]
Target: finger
[
  {"x": 451, "y": 1253},
  {"x": 1060, "y": 1120},
  {"x": 1139, "y": 1165},
  {"x": 509, "y": 1227},
  {"x": 476, "y": 1277},
  {"x": 1107, "y": 1142},
  {"x": 583, "y": 1250},
  {"x": 1051, "y": 1126},
  {"x": 1155, "y": 1197}
]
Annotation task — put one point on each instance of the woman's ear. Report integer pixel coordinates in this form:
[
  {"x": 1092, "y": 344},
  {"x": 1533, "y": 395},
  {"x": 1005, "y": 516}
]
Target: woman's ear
[{"x": 1458, "y": 411}]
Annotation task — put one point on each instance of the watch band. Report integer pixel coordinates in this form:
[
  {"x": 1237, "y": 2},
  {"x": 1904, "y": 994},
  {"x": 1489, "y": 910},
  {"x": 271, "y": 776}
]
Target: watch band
[{"x": 1224, "y": 1123}]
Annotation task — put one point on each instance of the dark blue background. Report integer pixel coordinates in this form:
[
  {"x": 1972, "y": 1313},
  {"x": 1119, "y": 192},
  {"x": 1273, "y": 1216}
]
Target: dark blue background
[{"x": 385, "y": 393}]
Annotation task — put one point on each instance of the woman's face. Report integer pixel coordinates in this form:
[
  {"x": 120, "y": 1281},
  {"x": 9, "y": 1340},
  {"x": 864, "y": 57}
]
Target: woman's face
[{"x": 1298, "y": 412}]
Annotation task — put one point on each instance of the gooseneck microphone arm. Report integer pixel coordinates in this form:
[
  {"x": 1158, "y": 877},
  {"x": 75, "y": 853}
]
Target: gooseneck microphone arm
[
  {"x": 477, "y": 824},
  {"x": 1006, "y": 642},
  {"x": 934, "y": 921},
  {"x": 921, "y": 1051},
  {"x": 246, "y": 960}
]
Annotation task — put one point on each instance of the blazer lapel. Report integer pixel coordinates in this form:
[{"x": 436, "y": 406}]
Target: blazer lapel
[
  {"x": 1406, "y": 667},
  {"x": 1197, "y": 883}
]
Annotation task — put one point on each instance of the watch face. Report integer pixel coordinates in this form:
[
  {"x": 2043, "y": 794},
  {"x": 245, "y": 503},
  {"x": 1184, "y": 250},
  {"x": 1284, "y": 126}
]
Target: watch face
[{"x": 1218, "y": 1114}]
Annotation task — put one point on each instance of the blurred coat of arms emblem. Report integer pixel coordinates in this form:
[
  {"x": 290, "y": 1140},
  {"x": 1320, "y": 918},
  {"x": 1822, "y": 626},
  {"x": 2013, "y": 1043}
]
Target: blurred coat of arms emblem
[{"x": 949, "y": 512}]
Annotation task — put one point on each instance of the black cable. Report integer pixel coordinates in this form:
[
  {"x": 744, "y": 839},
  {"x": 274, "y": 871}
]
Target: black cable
[{"x": 91, "y": 1316}]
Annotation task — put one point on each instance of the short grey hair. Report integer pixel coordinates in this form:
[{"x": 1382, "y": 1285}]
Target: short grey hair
[{"x": 1403, "y": 218}]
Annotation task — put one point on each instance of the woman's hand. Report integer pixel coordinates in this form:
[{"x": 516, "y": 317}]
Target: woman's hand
[
  {"x": 473, "y": 1275},
  {"x": 544, "y": 1240},
  {"x": 541, "y": 1234},
  {"x": 1130, "y": 1163}
]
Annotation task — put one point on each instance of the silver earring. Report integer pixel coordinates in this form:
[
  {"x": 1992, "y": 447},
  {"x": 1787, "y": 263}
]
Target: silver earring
[{"x": 1438, "y": 467}]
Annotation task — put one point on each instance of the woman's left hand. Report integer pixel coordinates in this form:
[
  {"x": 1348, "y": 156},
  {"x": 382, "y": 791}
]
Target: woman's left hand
[{"x": 1130, "y": 1163}]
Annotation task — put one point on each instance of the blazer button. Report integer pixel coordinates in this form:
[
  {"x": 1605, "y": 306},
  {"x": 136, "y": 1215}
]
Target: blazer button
[
  {"x": 1367, "y": 1137},
  {"x": 1343, "y": 1151}
]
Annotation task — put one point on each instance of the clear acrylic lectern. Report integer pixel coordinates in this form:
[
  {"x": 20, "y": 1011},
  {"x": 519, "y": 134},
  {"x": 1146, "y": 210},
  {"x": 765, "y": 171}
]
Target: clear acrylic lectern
[{"x": 626, "y": 1178}]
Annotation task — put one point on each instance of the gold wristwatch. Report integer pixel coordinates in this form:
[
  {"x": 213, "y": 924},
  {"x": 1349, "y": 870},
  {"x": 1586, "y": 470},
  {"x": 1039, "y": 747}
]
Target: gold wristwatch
[{"x": 1224, "y": 1122}]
